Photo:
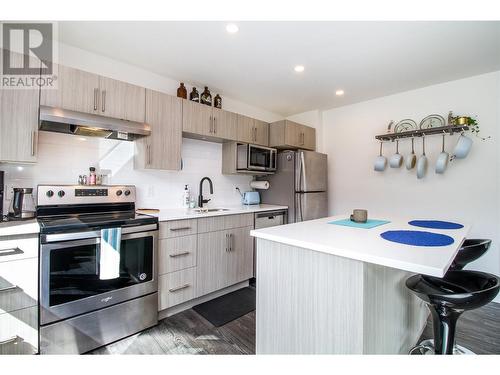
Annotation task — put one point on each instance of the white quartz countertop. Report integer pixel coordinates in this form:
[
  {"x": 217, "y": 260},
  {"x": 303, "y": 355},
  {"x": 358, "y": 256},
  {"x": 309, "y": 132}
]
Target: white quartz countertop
[
  {"x": 15, "y": 228},
  {"x": 367, "y": 245},
  {"x": 168, "y": 214}
]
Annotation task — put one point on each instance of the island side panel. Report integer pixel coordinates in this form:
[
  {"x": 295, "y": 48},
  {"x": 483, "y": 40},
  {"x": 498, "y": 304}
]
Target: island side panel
[
  {"x": 394, "y": 318},
  {"x": 307, "y": 302}
]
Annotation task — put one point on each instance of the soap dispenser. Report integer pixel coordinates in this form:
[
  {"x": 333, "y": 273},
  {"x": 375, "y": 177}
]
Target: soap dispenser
[{"x": 186, "y": 197}]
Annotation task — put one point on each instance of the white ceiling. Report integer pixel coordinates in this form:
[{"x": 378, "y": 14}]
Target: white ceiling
[{"x": 366, "y": 59}]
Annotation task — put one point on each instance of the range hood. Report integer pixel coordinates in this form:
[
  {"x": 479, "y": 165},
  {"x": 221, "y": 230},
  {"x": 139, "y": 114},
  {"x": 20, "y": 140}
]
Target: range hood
[{"x": 85, "y": 124}]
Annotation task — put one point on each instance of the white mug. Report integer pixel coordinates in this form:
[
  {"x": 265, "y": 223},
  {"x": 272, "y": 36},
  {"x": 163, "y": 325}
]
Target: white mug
[{"x": 462, "y": 147}]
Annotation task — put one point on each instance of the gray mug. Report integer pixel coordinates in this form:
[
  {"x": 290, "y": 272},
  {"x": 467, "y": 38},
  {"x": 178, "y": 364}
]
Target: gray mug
[{"x": 359, "y": 216}]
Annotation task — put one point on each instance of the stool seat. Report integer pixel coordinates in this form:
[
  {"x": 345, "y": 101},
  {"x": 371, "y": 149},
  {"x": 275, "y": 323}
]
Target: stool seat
[
  {"x": 470, "y": 250},
  {"x": 461, "y": 290},
  {"x": 449, "y": 297}
]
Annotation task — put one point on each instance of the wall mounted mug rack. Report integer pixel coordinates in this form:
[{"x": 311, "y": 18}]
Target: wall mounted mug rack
[{"x": 450, "y": 129}]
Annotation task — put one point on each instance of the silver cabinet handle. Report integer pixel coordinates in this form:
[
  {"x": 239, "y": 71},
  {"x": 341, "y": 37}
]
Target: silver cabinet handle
[
  {"x": 104, "y": 100},
  {"x": 96, "y": 98},
  {"x": 150, "y": 156},
  {"x": 33, "y": 135},
  {"x": 255, "y": 136},
  {"x": 230, "y": 242},
  {"x": 179, "y": 228},
  {"x": 13, "y": 251},
  {"x": 215, "y": 125},
  {"x": 176, "y": 289},
  {"x": 179, "y": 254},
  {"x": 12, "y": 287},
  {"x": 211, "y": 125},
  {"x": 227, "y": 242},
  {"x": 11, "y": 340}
]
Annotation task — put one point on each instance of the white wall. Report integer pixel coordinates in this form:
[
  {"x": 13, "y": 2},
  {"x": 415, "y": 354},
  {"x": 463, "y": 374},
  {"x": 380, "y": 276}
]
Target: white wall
[
  {"x": 467, "y": 192},
  {"x": 62, "y": 158}
]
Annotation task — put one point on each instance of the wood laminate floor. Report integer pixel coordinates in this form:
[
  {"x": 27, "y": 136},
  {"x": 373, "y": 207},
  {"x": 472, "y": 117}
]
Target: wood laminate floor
[{"x": 189, "y": 333}]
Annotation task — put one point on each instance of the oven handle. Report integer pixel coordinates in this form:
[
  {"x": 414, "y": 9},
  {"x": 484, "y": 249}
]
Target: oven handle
[{"x": 58, "y": 237}]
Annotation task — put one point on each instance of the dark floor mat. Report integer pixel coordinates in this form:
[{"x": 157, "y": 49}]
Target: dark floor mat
[{"x": 229, "y": 307}]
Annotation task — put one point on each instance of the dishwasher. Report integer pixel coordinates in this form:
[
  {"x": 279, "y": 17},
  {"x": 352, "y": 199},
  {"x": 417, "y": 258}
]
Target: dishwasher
[{"x": 265, "y": 220}]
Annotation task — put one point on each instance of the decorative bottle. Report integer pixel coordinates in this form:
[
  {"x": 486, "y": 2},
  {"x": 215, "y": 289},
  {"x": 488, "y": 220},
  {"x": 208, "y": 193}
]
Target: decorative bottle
[
  {"x": 206, "y": 97},
  {"x": 217, "y": 101},
  {"x": 92, "y": 176},
  {"x": 194, "y": 96},
  {"x": 182, "y": 91}
]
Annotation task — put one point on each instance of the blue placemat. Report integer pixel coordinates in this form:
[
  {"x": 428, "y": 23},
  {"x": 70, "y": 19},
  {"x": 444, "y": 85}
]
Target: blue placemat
[
  {"x": 435, "y": 224},
  {"x": 417, "y": 238},
  {"x": 370, "y": 223}
]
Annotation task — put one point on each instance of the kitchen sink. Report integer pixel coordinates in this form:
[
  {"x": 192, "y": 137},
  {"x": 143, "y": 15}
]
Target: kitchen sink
[{"x": 206, "y": 210}]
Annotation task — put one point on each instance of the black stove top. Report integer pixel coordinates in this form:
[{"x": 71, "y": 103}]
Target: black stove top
[{"x": 75, "y": 223}]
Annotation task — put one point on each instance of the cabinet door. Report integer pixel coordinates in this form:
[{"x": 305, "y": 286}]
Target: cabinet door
[
  {"x": 121, "y": 100},
  {"x": 162, "y": 149},
  {"x": 240, "y": 258},
  {"x": 246, "y": 129},
  {"x": 293, "y": 134},
  {"x": 261, "y": 133},
  {"x": 224, "y": 258},
  {"x": 197, "y": 118},
  {"x": 308, "y": 138},
  {"x": 225, "y": 124},
  {"x": 18, "y": 121},
  {"x": 76, "y": 90}
]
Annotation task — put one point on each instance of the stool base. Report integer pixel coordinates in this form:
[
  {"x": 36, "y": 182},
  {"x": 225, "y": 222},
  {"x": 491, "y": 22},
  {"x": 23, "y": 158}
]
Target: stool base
[{"x": 426, "y": 347}]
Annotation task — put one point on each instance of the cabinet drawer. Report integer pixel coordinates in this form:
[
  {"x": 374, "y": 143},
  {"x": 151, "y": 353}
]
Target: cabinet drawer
[
  {"x": 19, "y": 331},
  {"x": 18, "y": 248},
  {"x": 177, "y": 253},
  {"x": 215, "y": 223},
  {"x": 18, "y": 284},
  {"x": 178, "y": 228},
  {"x": 176, "y": 287}
]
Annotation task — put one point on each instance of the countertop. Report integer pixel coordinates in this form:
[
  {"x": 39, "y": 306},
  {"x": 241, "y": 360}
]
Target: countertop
[
  {"x": 366, "y": 244},
  {"x": 15, "y": 228},
  {"x": 168, "y": 214}
]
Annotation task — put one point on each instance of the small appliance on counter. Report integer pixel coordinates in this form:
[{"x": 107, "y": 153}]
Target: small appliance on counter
[
  {"x": 249, "y": 197},
  {"x": 22, "y": 205}
]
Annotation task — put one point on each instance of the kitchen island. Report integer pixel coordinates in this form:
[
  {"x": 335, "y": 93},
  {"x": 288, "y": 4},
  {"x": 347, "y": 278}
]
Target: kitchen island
[{"x": 324, "y": 288}]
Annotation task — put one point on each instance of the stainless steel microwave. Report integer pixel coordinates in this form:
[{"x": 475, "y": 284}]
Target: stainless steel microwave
[{"x": 256, "y": 158}]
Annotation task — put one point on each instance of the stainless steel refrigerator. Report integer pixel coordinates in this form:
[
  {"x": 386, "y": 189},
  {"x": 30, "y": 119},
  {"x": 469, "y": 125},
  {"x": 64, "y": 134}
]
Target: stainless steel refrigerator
[{"x": 300, "y": 183}]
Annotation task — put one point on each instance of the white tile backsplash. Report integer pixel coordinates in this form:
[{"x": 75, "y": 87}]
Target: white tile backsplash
[{"x": 61, "y": 158}]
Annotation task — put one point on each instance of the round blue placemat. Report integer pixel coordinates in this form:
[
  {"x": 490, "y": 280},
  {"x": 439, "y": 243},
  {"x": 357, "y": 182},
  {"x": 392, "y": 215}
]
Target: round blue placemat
[
  {"x": 417, "y": 238},
  {"x": 435, "y": 224}
]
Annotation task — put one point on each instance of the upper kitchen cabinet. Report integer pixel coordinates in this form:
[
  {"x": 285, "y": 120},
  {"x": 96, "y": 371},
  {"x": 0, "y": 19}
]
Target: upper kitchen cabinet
[
  {"x": 289, "y": 134},
  {"x": 162, "y": 149},
  {"x": 253, "y": 131},
  {"x": 225, "y": 124},
  {"x": 76, "y": 90},
  {"x": 202, "y": 121},
  {"x": 121, "y": 100},
  {"x": 18, "y": 121},
  {"x": 81, "y": 91}
]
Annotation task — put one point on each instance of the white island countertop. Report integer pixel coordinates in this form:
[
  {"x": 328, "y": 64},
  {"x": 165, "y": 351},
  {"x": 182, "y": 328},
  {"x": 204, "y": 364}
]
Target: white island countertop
[
  {"x": 367, "y": 245},
  {"x": 168, "y": 214}
]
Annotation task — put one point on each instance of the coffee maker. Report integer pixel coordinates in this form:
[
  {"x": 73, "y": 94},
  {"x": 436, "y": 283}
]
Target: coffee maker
[
  {"x": 22, "y": 205},
  {"x": 1, "y": 194}
]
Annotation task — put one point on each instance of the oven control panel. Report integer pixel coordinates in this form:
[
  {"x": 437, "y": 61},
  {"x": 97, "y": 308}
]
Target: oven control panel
[{"x": 48, "y": 195}]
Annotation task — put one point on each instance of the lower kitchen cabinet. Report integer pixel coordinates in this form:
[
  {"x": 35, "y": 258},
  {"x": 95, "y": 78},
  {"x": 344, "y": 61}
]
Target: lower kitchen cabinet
[
  {"x": 19, "y": 294},
  {"x": 176, "y": 287},
  {"x": 224, "y": 258}
]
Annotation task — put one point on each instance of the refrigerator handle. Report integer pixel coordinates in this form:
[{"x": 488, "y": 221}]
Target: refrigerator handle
[{"x": 302, "y": 171}]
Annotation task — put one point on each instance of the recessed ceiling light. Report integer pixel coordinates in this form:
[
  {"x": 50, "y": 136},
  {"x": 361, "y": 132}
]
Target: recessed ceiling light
[
  {"x": 339, "y": 92},
  {"x": 232, "y": 28},
  {"x": 299, "y": 68}
]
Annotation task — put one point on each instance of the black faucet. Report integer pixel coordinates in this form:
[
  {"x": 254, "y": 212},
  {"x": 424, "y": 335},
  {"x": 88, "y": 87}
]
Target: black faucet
[{"x": 200, "y": 197}]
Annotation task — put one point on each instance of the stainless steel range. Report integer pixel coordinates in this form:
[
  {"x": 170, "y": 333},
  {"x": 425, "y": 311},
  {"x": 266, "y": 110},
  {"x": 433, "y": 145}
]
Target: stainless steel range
[{"x": 98, "y": 268}]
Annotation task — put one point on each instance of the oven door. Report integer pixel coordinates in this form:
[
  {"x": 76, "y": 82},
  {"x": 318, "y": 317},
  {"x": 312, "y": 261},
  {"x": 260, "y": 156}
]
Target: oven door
[
  {"x": 261, "y": 158},
  {"x": 69, "y": 275}
]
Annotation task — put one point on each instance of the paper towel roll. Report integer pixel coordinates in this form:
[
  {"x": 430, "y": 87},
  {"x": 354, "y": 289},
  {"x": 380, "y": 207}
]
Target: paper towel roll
[{"x": 262, "y": 185}]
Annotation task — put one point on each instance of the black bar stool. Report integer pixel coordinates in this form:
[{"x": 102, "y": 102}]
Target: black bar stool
[
  {"x": 447, "y": 299},
  {"x": 470, "y": 250}
]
